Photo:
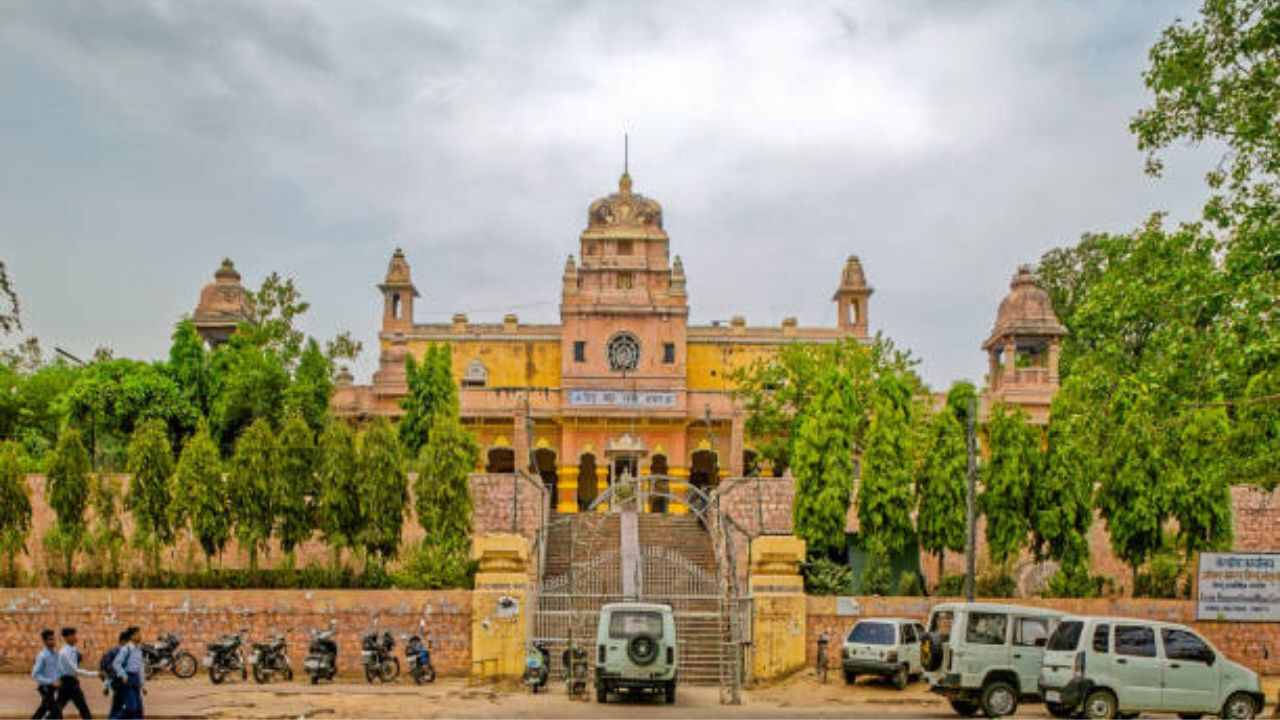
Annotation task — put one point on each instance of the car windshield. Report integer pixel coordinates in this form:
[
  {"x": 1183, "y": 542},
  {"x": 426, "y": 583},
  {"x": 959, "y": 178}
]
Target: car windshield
[
  {"x": 872, "y": 633},
  {"x": 1067, "y": 636},
  {"x": 624, "y": 624}
]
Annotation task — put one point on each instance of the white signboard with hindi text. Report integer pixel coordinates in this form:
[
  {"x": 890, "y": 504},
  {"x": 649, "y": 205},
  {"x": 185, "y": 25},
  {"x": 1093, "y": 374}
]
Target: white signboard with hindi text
[
  {"x": 1238, "y": 586},
  {"x": 622, "y": 398}
]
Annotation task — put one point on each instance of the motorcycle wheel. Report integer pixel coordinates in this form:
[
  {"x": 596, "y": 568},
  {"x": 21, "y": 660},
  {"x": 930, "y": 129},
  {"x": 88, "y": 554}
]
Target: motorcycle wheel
[
  {"x": 148, "y": 670},
  {"x": 216, "y": 675},
  {"x": 185, "y": 665},
  {"x": 370, "y": 674},
  {"x": 259, "y": 675},
  {"x": 390, "y": 669},
  {"x": 427, "y": 674},
  {"x": 315, "y": 679},
  {"x": 287, "y": 672}
]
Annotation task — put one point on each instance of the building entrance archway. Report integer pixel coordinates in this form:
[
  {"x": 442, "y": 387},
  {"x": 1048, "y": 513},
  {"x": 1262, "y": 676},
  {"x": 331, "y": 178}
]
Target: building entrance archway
[
  {"x": 586, "y": 480},
  {"x": 544, "y": 461},
  {"x": 501, "y": 460}
]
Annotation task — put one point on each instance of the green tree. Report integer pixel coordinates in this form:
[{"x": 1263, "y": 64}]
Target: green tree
[
  {"x": 1198, "y": 487},
  {"x": 15, "y": 510},
  {"x": 1216, "y": 79},
  {"x": 296, "y": 489},
  {"x": 106, "y": 532},
  {"x": 110, "y": 399},
  {"x": 384, "y": 492},
  {"x": 201, "y": 502},
  {"x": 150, "y": 463},
  {"x": 942, "y": 483},
  {"x": 823, "y": 465},
  {"x": 189, "y": 365},
  {"x": 273, "y": 309},
  {"x": 1256, "y": 435},
  {"x": 67, "y": 489},
  {"x": 1010, "y": 474},
  {"x": 312, "y": 387},
  {"x": 255, "y": 470},
  {"x": 251, "y": 383},
  {"x": 886, "y": 493},
  {"x": 1131, "y": 495},
  {"x": 441, "y": 491},
  {"x": 431, "y": 391},
  {"x": 1063, "y": 496},
  {"x": 339, "y": 513}
]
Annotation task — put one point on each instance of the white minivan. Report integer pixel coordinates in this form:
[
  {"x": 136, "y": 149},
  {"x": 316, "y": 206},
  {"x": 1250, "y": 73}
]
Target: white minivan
[{"x": 1101, "y": 667}]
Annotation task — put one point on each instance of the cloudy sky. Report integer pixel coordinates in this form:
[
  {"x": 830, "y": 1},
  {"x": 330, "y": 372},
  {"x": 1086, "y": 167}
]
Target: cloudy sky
[{"x": 944, "y": 143}]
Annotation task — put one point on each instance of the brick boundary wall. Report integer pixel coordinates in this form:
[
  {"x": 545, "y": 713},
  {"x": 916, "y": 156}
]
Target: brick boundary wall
[
  {"x": 1242, "y": 642},
  {"x": 198, "y": 617}
]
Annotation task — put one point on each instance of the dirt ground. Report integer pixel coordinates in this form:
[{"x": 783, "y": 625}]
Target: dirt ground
[{"x": 800, "y": 697}]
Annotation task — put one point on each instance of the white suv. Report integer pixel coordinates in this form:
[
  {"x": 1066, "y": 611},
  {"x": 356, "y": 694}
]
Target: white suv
[
  {"x": 1103, "y": 667},
  {"x": 884, "y": 647},
  {"x": 982, "y": 656}
]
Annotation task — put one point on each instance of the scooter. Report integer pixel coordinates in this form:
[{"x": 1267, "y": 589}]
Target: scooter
[
  {"x": 321, "y": 662},
  {"x": 269, "y": 659},
  {"x": 537, "y": 667},
  {"x": 418, "y": 655}
]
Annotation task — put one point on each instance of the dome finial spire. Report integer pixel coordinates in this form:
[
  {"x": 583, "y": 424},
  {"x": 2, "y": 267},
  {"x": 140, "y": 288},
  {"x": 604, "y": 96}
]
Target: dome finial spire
[{"x": 624, "y": 182}]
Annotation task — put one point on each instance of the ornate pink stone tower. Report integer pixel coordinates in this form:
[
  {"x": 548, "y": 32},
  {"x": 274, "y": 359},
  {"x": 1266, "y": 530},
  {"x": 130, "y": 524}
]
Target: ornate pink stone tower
[{"x": 1023, "y": 348}]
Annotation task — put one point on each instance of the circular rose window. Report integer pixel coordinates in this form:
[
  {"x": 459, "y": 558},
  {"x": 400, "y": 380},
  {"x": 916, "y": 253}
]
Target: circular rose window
[{"x": 624, "y": 352}]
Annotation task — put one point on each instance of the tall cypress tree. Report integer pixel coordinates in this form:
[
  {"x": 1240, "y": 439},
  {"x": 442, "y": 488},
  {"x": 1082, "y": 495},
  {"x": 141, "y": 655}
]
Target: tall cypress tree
[
  {"x": 1008, "y": 499},
  {"x": 384, "y": 492},
  {"x": 67, "y": 487},
  {"x": 150, "y": 462},
  {"x": 15, "y": 509},
  {"x": 822, "y": 462},
  {"x": 339, "y": 513},
  {"x": 312, "y": 387},
  {"x": 941, "y": 487},
  {"x": 441, "y": 491},
  {"x": 201, "y": 501},
  {"x": 297, "y": 483},
  {"x": 885, "y": 493},
  {"x": 431, "y": 390},
  {"x": 255, "y": 468}
]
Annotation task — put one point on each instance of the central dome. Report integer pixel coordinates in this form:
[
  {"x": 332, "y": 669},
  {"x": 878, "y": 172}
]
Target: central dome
[{"x": 624, "y": 209}]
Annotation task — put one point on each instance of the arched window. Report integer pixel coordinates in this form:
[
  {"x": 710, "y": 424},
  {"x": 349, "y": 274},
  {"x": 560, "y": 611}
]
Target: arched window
[
  {"x": 395, "y": 305},
  {"x": 476, "y": 375}
]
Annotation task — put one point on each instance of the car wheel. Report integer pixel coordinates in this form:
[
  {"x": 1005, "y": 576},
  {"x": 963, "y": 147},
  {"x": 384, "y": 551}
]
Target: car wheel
[
  {"x": 964, "y": 708},
  {"x": 850, "y": 677},
  {"x": 999, "y": 698},
  {"x": 900, "y": 678},
  {"x": 602, "y": 694},
  {"x": 1100, "y": 705},
  {"x": 1239, "y": 707},
  {"x": 671, "y": 693}
]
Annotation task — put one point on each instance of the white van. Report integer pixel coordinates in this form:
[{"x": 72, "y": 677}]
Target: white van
[{"x": 1105, "y": 666}]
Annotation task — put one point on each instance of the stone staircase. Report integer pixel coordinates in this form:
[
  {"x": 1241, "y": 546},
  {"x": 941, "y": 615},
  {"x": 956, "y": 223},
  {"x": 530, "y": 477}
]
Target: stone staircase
[{"x": 699, "y": 624}]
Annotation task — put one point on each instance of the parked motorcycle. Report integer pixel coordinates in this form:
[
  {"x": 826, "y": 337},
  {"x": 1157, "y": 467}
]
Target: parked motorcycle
[
  {"x": 164, "y": 655},
  {"x": 537, "y": 667},
  {"x": 376, "y": 655},
  {"x": 225, "y": 657},
  {"x": 270, "y": 659},
  {"x": 418, "y": 655},
  {"x": 321, "y": 662}
]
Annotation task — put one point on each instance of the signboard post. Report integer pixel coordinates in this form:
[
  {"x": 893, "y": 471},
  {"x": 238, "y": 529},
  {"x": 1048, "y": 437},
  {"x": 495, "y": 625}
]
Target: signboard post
[{"x": 1238, "y": 587}]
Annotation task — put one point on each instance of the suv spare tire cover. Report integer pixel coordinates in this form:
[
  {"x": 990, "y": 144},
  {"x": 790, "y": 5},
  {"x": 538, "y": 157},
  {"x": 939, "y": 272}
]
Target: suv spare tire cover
[
  {"x": 931, "y": 651},
  {"x": 642, "y": 649}
]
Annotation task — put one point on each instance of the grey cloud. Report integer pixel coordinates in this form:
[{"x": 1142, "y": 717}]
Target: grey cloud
[{"x": 943, "y": 142}]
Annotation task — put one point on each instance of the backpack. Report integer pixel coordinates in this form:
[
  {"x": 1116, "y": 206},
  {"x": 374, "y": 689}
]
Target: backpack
[{"x": 104, "y": 665}]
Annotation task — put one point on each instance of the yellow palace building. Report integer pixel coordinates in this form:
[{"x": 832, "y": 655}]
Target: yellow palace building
[{"x": 622, "y": 385}]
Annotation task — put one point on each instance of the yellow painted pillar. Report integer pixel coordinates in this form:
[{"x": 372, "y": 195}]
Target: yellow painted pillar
[
  {"x": 778, "y": 609},
  {"x": 499, "y": 611},
  {"x": 567, "y": 490},
  {"x": 679, "y": 485}
]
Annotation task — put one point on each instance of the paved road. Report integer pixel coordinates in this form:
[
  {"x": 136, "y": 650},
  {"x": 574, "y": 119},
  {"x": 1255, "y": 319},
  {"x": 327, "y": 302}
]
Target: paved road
[{"x": 453, "y": 698}]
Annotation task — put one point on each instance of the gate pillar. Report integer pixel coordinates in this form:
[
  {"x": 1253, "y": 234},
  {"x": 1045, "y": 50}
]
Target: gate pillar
[
  {"x": 499, "y": 605},
  {"x": 778, "y": 611}
]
